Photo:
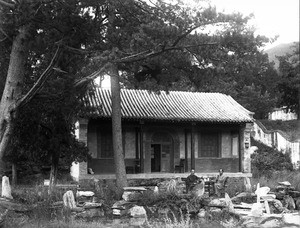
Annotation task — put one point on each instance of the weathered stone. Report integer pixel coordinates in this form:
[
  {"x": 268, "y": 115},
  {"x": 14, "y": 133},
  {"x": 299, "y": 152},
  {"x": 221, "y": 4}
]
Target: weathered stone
[
  {"x": 280, "y": 195},
  {"x": 137, "y": 211},
  {"x": 121, "y": 204},
  {"x": 229, "y": 203},
  {"x": 285, "y": 183},
  {"x": 84, "y": 193},
  {"x": 199, "y": 189},
  {"x": 270, "y": 222},
  {"x": 217, "y": 203},
  {"x": 131, "y": 195},
  {"x": 291, "y": 218},
  {"x": 289, "y": 202},
  {"x": 247, "y": 184},
  {"x": 246, "y": 197},
  {"x": 215, "y": 211},
  {"x": 202, "y": 213},
  {"x": 89, "y": 205},
  {"x": 172, "y": 185},
  {"x": 268, "y": 197},
  {"x": 131, "y": 189},
  {"x": 297, "y": 203},
  {"x": 276, "y": 206},
  {"x": 257, "y": 210},
  {"x": 91, "y": 213},
  {"x": 6, "y": 189},
  {"x": 262, "y": 191},
  {"x": 294, "y": 194},
  {"x": 69, "y": 201},
  {"x": 99, "y": 188},
  {"x": 117, "y": 212}
]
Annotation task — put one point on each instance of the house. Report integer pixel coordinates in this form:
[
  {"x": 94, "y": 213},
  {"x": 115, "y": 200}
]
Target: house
[
  {"x": 167, "y": 133},
  {"x": 282, "y": 114}
]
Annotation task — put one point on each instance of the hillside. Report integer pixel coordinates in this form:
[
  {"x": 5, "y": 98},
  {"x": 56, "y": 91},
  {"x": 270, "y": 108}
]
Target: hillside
[
  {"x": 279, "y": 50},
  {"x": 291, "y": 127}
]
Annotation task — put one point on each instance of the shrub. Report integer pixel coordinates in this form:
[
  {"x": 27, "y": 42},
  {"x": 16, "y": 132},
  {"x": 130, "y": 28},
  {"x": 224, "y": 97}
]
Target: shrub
[{"x": 266, "y": 160}]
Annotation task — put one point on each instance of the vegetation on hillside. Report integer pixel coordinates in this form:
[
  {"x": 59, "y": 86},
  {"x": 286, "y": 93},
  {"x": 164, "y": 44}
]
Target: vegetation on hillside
[
  {"x": 266, "y": 160},
  {"x": 279, "y": 50},
  {"x": 290, "y": 127}
]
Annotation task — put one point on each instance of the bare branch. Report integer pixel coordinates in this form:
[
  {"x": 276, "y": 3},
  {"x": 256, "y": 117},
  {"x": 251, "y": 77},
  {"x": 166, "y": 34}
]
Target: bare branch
[
  {"x": 40, "y": 82},
  {"x": 147, "y": 54},
  {"x": 91, "y": 77},
  {"x": 7, "y": 4},
  {"x": 5, "y": 34}
]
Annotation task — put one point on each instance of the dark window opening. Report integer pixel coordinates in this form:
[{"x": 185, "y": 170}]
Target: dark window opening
[{"x": 209, "y": 145}]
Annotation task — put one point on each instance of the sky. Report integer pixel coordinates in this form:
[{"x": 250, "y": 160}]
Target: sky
[{"x": 272, "y": 17}]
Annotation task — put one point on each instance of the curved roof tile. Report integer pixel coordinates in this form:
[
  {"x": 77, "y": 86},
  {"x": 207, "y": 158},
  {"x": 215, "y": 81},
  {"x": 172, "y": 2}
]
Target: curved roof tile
[{"x": 173, "y": 106}]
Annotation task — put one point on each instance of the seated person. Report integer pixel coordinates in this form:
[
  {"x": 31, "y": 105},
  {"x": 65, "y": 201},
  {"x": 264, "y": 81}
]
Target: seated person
[
  {"x": 191, "y": 181},
  {"x": 220, "y": 183}
]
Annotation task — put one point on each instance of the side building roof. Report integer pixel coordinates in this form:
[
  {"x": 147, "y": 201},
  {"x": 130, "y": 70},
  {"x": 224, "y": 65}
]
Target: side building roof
[{"x": 171, "y": 106}]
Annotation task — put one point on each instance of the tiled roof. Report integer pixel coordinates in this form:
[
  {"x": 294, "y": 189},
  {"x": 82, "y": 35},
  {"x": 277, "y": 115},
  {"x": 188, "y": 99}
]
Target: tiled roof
[{"x": 174, "y": 106}]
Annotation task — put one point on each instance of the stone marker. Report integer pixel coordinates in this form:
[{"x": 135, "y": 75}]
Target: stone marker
[
  {"x": 6, "y": 189},
  {"x": 69, "y": 201},
  {"x": 247, "y": 184},
  {"x": 267, "y": 207},
  {"x": 229, "y": 203}
]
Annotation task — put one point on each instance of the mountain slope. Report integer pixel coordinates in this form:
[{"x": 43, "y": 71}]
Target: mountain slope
[{"x": 279, "y": 50}]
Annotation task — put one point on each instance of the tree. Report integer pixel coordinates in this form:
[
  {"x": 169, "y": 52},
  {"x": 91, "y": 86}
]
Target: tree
[
  {"x": 151, "y": 44},
  {"x": 289, "y": 84},
  {"x": 41, "y": 36}
]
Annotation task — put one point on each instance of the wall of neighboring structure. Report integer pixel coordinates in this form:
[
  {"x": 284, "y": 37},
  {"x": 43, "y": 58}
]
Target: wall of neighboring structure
[
  {"x": 278, "y": 140},
  {"x": 231, "y": 147},
  {"x": 81, "y": 132},
  {"x": 282, "y": 114}
]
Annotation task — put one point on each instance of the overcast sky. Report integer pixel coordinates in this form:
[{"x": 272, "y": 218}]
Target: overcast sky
[{"x": 272, "y": 17}]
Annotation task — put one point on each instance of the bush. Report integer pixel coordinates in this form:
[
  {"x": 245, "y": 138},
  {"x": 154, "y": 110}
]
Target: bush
[{"x": 266, "y": 160}]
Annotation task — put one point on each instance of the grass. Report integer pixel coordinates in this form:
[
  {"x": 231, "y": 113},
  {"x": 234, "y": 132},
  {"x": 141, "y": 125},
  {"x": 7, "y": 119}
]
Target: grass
[{"x": 278, "y": 176}]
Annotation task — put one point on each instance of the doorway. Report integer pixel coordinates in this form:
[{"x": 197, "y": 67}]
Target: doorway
[
  {"x": 155, "y": 157},
  {"x": 161, "y": 152}
]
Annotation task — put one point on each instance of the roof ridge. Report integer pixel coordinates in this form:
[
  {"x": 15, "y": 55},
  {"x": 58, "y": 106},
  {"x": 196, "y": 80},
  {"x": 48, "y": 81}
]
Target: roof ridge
[{"x": 170, "y": 91}]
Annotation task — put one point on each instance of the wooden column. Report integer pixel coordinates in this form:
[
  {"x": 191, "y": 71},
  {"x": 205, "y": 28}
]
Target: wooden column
[
  {"x": 137, "y": 151},
  {"x": 141, "y": 148},
  {"x": 193, "y": 146},
  {"x": 241, "y": 148},
  {"x": 186, "y": 165}
]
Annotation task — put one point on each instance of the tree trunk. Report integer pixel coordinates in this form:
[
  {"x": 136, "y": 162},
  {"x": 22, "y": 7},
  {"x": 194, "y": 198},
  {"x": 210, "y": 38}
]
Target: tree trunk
[
  {"x": 117, "y": 129},
  {"x": 12, "y": 90},
  {"x": 53, "y": 172},
  {"x": 298, "y": 111},
  {"x": 14, "y": 174}
]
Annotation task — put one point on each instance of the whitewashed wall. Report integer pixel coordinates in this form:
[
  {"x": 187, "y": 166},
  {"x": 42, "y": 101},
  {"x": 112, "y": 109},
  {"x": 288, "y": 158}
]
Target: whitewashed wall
[{"x": 278, "y": 140}]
